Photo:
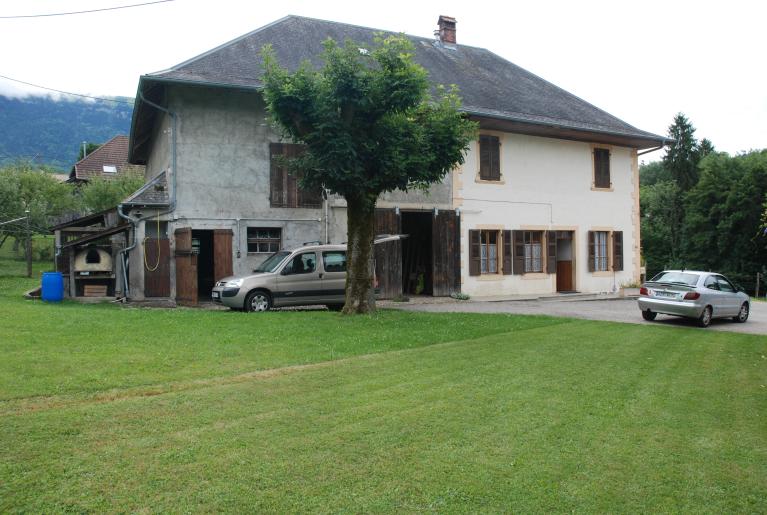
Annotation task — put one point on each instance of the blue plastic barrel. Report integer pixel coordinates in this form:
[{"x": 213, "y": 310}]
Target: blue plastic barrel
[{"x": 52, "y": 287}]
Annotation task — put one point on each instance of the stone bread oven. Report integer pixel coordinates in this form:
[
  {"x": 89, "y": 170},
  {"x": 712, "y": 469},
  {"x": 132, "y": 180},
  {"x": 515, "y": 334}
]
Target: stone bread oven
[{"x": 93, "y": 260}]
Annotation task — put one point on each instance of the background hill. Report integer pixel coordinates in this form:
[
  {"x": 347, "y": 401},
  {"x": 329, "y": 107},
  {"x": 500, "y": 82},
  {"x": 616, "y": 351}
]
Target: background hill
[{"x": 53, "y": 130}]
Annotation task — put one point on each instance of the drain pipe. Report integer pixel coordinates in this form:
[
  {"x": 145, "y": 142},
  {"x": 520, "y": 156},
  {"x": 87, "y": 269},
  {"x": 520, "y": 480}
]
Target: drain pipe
[{"x": 171, "y": 208}]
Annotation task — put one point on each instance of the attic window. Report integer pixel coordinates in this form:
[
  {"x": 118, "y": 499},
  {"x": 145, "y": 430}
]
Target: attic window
[
  {"x": 364, "y": 51},
  {"x": 109, "y": 169},
  {"x": 93, "y": 257}
]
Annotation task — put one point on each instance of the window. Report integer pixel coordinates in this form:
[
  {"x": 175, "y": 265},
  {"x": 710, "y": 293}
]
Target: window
[
  {"x": 489, "y": 158},
  {"x": 264, "y": 239},
  {"x": 605, "y": 251},
  {"x": 602, "y": 168},
  {"x": 724, "y": 284},
  {"x": 533, "y": 252},
  {"x": 599, "y": 254},
  {"x": 109, "y": 169},
  {"x": 305, "y": 263},
  {"x": 334, "y": 261},
  {"x": 284, "y": 186},
  {"x": 485, "y": 254},
  {"x": 488, "y": 252}
]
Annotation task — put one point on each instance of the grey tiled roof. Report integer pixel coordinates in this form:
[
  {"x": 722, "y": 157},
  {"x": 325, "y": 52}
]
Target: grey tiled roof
[
  {"x": 153, "y": 193},
  {"x": 489, "y": 85}
]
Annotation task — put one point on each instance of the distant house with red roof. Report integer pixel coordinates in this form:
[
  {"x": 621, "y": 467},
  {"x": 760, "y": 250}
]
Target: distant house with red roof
[{"x": 108, "y": 161}]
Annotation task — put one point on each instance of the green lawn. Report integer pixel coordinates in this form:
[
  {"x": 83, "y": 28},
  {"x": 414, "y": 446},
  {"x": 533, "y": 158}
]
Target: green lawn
[{"x": 109, "y": 409}]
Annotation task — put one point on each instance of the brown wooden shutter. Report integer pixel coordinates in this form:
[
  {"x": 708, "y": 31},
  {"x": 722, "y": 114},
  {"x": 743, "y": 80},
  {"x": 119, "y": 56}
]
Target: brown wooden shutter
[
  {"x": 601, "y": 168},
  {"x": 489, "y": 158},
  {"x": 551, "y": 252},
  {"x": 495, "y": 159},
  {"x": 618, "y": 251},
  {"x": 507, "y": 253},
  {"x": 519, "y": 252},
  {"x": 591, "y": 251},
  {"x": 475, "y": 253},
  {"x": 276, "y": 176},
  {"x": 186, "y": 267},
  {"x": 222, "y": 253}
]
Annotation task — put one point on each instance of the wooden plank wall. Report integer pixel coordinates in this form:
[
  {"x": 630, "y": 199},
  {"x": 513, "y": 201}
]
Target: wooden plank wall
[
  {"x": 157, "y": 267},
  {"x": 388, "y": 255},
  {"x": 186, "y": 268},
  {"x": 446, "y": 260}
]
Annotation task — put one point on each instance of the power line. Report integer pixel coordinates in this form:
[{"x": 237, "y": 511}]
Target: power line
[
  {"x": 84, "y": 12},
  {"x": 68, "y": 92}
]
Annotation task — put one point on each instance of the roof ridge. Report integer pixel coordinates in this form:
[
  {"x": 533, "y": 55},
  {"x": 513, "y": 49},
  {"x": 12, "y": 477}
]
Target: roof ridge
[{"x": 220, "y": 47}]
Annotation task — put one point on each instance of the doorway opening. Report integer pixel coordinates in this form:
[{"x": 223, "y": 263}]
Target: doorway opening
[
  {"x": 565, "y": 268},
  {"x": 202, "y": 245},
  {"x": 417, "y": 257}
]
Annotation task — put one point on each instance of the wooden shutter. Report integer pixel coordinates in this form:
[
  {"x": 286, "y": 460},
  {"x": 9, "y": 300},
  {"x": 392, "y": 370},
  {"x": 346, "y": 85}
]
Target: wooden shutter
[
  {"x": 489, "y": 158},
  {"x": 156, "y": 278},
  {"x": 186, "y": 267},
  {"x": 445, "y": 253},
  {"x": 591, "y": 251},
  {"x": 519, "y": 252},
  {"x": 507, "y": 256},
  {"x": 388, "y": 256},
  {"x": 601, "y": 168},
  {"x": 475, "y": 253},
  {"x": 276, "y": 176},
  {"x": 222, "y": 253},
  {"x": 618, "y": 251},
  {"x": 551, "y": 252}
]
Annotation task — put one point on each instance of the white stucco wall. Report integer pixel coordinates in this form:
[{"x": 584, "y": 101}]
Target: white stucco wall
[{"x": 546, "y": 184}]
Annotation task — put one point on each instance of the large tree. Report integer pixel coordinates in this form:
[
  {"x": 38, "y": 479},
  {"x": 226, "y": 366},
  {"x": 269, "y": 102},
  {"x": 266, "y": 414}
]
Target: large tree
[
  {"x": 682, "y": 155},
  {"x": 370, "y": 125}
]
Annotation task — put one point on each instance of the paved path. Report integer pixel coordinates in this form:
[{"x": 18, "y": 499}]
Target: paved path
[{"x": 616, "y": 310}]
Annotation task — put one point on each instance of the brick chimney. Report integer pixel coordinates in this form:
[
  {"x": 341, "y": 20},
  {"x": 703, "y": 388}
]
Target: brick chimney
[{"x": 446, "y": 29}]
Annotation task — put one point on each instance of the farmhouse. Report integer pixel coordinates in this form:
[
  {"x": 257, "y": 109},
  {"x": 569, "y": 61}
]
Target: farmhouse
[{"x": 547, "y": 200}]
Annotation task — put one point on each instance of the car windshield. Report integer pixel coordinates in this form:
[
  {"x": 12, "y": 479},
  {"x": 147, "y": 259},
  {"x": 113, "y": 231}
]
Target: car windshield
[
  {"x": 677, "y": 278},
  {"x": 272, "y": 262}
]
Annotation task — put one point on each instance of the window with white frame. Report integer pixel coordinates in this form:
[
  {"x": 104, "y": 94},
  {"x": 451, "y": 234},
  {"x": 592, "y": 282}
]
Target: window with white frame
[
  {"x": 600, "y": 251},
  {"x": 489, "y": 252},
  {"x": 533, "y": 251},
  {"x": 264, "y": 239}
]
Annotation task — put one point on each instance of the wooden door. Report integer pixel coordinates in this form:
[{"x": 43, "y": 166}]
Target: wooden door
[
  {"x": 186, "y": 268},
  {"x": 222, "y": 253},
  {"x": 446, "y": 257},
  {"x": 156, "y": 267},
  {"x": 388, "y": 255},
  {"x": 564, "y": 276}
]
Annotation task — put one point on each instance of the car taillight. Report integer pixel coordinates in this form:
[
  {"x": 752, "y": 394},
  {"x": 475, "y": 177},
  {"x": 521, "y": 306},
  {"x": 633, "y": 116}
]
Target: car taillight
[
  {"x": 643, "y": 291},
  {"x": 691, "y": 295}
]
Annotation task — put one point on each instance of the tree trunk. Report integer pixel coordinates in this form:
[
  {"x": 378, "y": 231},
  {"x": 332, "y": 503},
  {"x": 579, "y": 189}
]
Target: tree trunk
[{"x": 360, "y": 214}]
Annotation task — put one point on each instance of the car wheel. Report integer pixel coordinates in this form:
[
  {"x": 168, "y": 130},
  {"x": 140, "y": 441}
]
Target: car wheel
[
  {"x": 742, "y": 314},
  {"x": 649, "y": 315},
  {"x": 705, "y": 318},
  {"x": 258, "y": 300}
]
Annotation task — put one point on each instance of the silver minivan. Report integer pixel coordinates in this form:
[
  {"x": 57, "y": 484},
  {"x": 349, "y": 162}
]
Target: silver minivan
[{"x": 312, "y": 274}]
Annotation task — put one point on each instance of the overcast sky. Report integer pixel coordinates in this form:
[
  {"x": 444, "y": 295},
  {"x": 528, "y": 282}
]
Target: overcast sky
[{"x": 640, "y": 61}]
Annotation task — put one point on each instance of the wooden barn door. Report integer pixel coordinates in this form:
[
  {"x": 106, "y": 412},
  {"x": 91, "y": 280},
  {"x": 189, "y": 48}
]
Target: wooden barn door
[
  {"x": 222, "y": 253},
  {"x": 388, "y": 255},
  {"x": 156, "y": 267},
  {"x": 186, "y": 267},
  {"x": 446, "y": 257}
]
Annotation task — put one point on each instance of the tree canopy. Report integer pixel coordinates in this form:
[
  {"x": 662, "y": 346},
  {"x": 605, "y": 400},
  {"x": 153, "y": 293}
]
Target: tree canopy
[{"x": 370, "y": 126}]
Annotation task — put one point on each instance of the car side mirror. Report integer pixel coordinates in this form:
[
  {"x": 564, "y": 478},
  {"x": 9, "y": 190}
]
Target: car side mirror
[{"x": 740, "y": 288}]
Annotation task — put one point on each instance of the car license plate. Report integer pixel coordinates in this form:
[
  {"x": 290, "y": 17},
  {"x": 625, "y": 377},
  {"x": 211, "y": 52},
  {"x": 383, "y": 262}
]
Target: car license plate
[
  {"x": 214, "y": 294},
  {"x": 667, "y": 294}
]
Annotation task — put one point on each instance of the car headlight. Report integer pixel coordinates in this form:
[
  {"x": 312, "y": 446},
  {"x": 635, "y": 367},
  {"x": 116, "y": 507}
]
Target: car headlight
[{"x": 235, "y": 283}]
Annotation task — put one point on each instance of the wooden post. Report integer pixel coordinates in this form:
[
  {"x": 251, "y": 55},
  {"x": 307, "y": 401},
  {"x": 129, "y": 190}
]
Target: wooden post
[
  {"x": 758, "y": 276},
  {"x": 29, "y": 247}
]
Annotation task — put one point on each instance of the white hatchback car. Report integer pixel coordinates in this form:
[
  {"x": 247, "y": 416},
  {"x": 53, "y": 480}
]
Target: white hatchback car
[{"x": 702, "y": 296}]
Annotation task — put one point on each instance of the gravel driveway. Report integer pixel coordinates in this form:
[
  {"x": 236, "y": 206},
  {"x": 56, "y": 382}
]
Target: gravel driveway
[{"x": 614, "y": 310}]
